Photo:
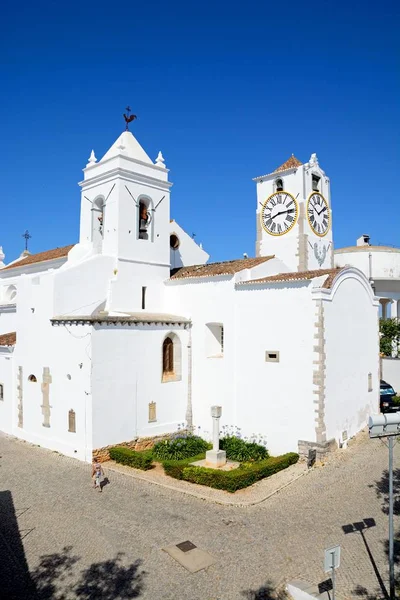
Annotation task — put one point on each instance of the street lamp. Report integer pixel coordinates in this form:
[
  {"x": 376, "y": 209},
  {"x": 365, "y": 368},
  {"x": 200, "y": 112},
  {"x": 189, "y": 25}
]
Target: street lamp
[{"x": 380, "y": 426}]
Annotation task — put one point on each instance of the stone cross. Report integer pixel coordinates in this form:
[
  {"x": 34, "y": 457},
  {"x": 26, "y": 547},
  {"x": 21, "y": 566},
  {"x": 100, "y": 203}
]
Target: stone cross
[
  {"x": 46, "y": 380},
  {"x": 216, "y": 458},
  {"x": 20, "y": 398}
]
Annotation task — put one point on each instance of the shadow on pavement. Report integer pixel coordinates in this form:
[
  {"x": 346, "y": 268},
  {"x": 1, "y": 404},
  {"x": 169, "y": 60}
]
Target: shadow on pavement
[
  {"x": 55, "y": 577},
  {"x": 265, "y": 592},
  {"x": 382, "y": 491}
]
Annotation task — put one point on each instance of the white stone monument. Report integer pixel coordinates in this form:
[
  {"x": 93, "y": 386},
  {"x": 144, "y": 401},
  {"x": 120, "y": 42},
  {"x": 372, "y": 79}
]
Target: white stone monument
[{"x": 216, "y": 458}]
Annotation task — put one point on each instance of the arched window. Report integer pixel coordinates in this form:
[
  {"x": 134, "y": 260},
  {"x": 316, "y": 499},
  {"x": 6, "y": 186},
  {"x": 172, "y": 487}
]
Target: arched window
[
  {"x": 32, "y": 378},
  {"x": 144, "y": 220},
  {"x": 279, "y": 185},
  {"x": 171, "y": 358},
  {"x": 98, "y": 220},
  {"x": 168, "y": 356}
]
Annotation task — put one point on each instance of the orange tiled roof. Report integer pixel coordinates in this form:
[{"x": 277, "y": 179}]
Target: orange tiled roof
[
  {"x": 299, "y": 276},
  {"x": 291, "y": 163},
  {"x": 229, "y": 267},
  {"x": 40, "y": 257},
  {"x": 8, "y": 339}
]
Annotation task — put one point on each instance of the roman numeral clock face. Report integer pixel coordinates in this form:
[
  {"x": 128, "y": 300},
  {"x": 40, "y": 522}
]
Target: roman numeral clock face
[
  {"x": 318, "y": 214},
  {"x": 279, "y": 213}
]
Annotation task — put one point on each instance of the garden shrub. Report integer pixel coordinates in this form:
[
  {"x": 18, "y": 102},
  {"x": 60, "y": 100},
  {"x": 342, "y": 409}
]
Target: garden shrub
[
  {"x": 183, "y": 445},
  {"x": 241, "y": 450},
  {"x": 174, "y": 468},
  {"x": 138, "y": 460},
  {"x": 239, "y": 478}
]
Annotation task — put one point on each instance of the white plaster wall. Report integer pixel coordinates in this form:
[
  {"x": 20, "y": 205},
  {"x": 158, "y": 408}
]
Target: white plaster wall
[
  {"x": 208, "y": 300},
  {"x": 126, "y": 377},
  {"x": 7, "y": 380},
  {"x": 352, "y": 351},
  {"x": 8, "y": 321},
  {"x": 126, "y": 287},
  {"x": 391, "y": 372},
  {"x": 80, "y": 288},
  {"x": 65, "y": 351},
  {"x": 385, "y": 262},
  {"x": 275, "y": 398},
  {"x": 188, "y": 253}
]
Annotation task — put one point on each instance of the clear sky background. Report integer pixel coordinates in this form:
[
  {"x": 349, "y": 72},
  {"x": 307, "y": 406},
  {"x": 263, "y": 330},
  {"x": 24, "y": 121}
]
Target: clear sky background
[{"x": 226, "y": 90}]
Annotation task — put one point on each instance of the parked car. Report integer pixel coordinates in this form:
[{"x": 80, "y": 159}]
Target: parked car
[{"x": 387, "y": 395}]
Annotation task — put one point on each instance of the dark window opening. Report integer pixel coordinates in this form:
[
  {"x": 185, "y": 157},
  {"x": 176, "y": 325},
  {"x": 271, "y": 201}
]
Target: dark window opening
[
  {"x": 174, "y": 241},
  {"x": 315, "y": 183},
  {"x": 168, "y": 356},
  {"x": 144, "y": 297},
  {"x": 279, "y": 185},
  {"x": 32, "y": 378},
  {"x": 1, "y": 391}
]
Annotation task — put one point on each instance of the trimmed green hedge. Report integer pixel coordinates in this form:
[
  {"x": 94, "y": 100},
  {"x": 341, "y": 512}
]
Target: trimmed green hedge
[
  {"x": 242, "y": 450},
  {"x": 174, "y": 468},
  {"x": 138, "y": 460},
  {"x": 239, "y": 478}
]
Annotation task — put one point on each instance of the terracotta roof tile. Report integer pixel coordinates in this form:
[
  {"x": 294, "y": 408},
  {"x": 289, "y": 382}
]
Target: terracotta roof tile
[
  {"x": 229, "y": 267},
  {"x": 8, "y": 339},
  {"x": 40, "y": 257},
  {"x": 298, "y": 276},
  {"x": 291, "y": 163}
]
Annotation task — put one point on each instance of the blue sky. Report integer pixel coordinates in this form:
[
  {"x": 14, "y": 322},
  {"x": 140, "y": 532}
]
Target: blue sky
[{"x": 226, "y": 90}]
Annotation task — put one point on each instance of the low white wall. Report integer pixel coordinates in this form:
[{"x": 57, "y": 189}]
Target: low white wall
[
  {"x": 352, "y": 351},
  {"x": 7, "y": 381},
  {"x": 391, "y": 372}
]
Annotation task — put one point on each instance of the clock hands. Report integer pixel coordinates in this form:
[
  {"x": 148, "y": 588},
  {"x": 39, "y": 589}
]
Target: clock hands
[{"x": 290, "y": 210}]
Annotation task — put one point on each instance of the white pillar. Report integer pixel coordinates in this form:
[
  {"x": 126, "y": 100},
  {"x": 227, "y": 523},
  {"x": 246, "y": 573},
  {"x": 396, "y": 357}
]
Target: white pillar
[{"x": 216, "y": 458}]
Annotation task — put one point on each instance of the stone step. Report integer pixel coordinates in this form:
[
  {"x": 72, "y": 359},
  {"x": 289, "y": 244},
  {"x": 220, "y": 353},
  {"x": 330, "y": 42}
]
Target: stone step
[{"x": 303, "y": 590}]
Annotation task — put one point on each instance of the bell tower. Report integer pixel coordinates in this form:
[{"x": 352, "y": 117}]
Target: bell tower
[
  {"x": 294, "y": 218},
  {"x": 125, "y": 215}
]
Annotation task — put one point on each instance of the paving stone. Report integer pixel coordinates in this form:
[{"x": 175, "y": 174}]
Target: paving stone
[{"x": 257, "y": 549}]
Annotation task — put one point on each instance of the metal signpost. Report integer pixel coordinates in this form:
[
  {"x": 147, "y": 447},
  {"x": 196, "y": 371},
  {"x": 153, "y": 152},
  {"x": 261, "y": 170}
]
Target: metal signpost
[
  {"x": 331, "y": 563},
  {"x": 380, "y": 426}
]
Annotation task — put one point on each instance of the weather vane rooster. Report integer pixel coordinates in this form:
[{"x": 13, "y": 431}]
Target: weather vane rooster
[{"x": 128, "y": 118}]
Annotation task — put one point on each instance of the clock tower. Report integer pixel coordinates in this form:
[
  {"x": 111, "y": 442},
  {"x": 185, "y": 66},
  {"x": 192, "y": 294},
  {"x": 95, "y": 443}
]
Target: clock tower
[{"x": 294, "y": 218}]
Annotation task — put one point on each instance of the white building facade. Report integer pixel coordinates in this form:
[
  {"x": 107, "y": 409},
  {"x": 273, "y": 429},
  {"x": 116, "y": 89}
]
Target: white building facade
[{"x": 131, "y": 332}]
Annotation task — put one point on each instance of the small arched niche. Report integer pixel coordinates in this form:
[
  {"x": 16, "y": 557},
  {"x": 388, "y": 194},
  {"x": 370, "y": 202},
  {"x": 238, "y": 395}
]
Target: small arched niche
[
  {"x": 174, "y": 241},
  {"x": 10, "y": 294},
  {"x": 32, "y": 378},
  {"x": 279, "y": 185},
  {"x": 145, "y": 221},
  {"x": 98, "y": 220}
]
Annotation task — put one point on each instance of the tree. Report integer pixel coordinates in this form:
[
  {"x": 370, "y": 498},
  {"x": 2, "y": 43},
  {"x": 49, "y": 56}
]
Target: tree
[{"x": 389, "y": 330}]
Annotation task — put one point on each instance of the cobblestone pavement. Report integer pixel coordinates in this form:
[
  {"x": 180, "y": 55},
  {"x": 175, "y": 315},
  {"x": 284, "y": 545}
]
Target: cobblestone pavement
[{"x": 256, "y": 548}]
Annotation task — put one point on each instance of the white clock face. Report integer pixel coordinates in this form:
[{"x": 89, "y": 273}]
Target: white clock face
[
  {"x": 318, "y": 214},
  {"x": 279, "y": 213}
]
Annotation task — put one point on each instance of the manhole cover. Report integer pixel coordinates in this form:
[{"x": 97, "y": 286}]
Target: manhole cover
[{"x": 186, "y": 546}]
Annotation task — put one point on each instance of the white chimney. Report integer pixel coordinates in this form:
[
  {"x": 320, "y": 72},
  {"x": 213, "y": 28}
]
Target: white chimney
[{"x": 363, "y": 240}]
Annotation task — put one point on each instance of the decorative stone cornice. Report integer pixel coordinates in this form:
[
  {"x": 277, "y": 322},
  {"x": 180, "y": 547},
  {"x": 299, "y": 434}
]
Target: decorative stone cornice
[{"x": 133, "y": 320}]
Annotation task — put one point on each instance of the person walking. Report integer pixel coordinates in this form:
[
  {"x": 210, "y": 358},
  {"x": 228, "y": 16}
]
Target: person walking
[{"x": 97, "y": 474}]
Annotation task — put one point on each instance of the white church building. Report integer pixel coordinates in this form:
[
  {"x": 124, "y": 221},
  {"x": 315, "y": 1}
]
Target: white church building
[{"x": 131, "y": 332}]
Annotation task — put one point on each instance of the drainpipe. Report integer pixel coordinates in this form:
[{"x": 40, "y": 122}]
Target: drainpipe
[{"x": 189, "y": 412}]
